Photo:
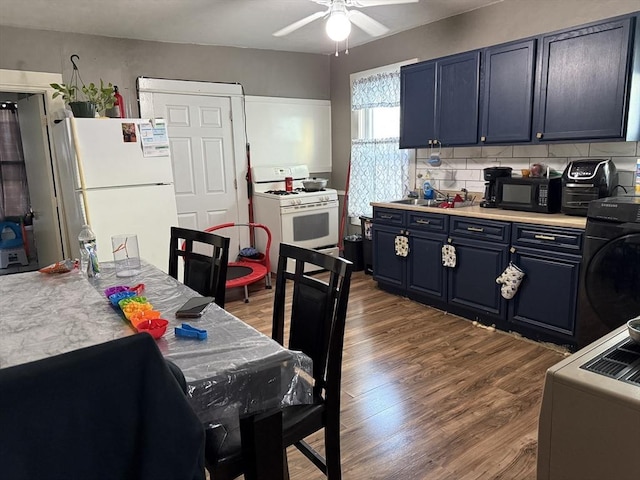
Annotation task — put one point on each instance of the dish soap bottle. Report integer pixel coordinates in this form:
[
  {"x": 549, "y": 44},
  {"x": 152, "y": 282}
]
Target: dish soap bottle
[
  {"x": 428, "y": 191},
  {"x": 88, "y": 252}
]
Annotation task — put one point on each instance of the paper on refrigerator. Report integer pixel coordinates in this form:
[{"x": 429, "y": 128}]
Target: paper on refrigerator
[{"x": 154, "y": 139}]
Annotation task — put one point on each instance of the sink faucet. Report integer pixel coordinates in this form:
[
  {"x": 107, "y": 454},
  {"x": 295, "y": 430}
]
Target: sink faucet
[{"x": 445, "y": 195}]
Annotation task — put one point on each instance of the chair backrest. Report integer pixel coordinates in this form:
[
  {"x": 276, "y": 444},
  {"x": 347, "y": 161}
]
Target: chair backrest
[
  {"x": 318, "y": 313},
  {"x": 112, "y": 410},
  {"x": 252, "y": 227},
  {"x": 206, "y": 275}
]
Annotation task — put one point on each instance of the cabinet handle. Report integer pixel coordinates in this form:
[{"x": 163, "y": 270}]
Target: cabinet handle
[
  {"x": 475, "y": 229},
  {"x": 483, "y": 139},
  {"x": 424, "y": 222},
  {"x": 539, "y": 135},
  {"x": 386, "y": 217},
  {"x": 545, "y": 237},
  {"x": 406, "y": 232}
]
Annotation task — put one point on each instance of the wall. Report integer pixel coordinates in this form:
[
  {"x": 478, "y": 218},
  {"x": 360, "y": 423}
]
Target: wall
[
  {"x": 462, "y": 166},
  {"x": 492, "y": 25},
  {"x": 271, "y": 73},
  {"x": 120, "y": 61}
]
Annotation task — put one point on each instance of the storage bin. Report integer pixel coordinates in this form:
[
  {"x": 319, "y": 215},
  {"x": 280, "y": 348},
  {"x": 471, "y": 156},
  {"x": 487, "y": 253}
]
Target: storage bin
[{"x": 366, "y": 224}]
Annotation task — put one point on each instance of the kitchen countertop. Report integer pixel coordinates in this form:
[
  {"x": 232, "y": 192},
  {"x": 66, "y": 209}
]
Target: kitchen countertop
[{"x": 475, "y": 211}]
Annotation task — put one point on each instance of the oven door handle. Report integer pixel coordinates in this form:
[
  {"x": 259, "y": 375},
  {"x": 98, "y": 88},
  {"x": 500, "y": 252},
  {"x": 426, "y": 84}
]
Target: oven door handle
[{"x": 291, "y": 209}]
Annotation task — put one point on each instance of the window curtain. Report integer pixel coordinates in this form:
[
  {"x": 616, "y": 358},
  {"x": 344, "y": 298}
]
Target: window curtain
[
  {"x": 379, "y": 169},
  {"x": 379, "y": 172},
  {"x": 14, "y": 193},
  {"x": 379, "y": 90}
]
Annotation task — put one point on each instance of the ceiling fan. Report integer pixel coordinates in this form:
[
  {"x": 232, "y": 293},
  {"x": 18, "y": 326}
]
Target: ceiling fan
[{"x": 339, "y": 19}]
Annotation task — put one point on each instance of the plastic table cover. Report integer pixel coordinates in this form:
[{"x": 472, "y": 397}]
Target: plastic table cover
[{"x": 235, "y": 370}]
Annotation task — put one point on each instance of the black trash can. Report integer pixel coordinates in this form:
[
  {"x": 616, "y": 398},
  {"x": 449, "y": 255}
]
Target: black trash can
[
  {"x": 366, "y": 223},
  {"x": 353, "y": 251}
]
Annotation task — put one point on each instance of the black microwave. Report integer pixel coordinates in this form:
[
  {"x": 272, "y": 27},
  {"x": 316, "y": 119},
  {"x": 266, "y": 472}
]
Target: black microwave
[{"x": 530, "y": 194}]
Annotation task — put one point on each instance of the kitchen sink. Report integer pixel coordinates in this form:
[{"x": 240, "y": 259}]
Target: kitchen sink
[{"x": 419, "y": 202}]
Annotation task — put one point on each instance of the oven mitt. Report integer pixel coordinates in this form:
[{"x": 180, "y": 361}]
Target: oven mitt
[
  {"x": 402, "y": 246},
  {"x": 449, "y": 256},
  {"x": 510, "y": 280}
]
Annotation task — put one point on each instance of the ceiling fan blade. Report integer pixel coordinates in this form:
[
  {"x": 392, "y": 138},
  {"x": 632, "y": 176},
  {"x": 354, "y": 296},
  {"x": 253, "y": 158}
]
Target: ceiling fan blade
[
  {"x": 299, "y": 24},
  {"x": 366, "y": 23},
  {"x": 376, "y": 3}
]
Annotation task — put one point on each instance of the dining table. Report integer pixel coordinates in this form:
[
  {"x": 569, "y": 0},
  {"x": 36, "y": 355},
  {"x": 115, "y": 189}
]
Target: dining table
[{"x": 235, "y": 370}]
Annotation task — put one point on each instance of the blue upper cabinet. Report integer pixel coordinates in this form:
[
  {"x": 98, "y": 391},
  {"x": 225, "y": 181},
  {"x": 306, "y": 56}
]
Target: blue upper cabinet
[
  {"x": 577, "y": 84},
  {"x": 507, "y": 92},
  {"x": 457, "y": 92},
  {"x": 439, "y": 101},
  {"x": 417, "y": 104},
  {"x": 584, "y": 82}
]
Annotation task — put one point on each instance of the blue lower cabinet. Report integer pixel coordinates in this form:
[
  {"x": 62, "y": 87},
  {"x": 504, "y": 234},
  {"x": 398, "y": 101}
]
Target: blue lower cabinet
[
  {"x": 547, "y": 297},
  {"x": 425, "y": 274},
  {"x": 472, "y": 283},
  {"x": 544, "y": 304},
  {"x": 388, "y": 268}
]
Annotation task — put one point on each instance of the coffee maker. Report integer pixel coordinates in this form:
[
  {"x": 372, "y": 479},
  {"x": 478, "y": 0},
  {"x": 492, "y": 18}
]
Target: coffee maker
[{"x": 490, "y": 176}]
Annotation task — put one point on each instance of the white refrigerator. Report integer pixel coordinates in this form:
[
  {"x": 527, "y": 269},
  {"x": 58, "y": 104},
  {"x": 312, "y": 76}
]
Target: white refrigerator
[{"x": 108, "y": 182}]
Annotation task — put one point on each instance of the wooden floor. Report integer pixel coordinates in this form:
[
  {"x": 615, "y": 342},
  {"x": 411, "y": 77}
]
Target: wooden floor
[{"x": 425, "y": 394}]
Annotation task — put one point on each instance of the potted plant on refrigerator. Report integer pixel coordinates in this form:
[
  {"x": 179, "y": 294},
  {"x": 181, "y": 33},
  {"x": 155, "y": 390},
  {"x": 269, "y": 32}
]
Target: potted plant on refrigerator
[
  {"x": 85, "y": 100},
  {"x": 102, "y": 97}
]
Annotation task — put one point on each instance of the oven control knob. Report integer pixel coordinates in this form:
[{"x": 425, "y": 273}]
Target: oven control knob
[{"x": 298, "y": 201}]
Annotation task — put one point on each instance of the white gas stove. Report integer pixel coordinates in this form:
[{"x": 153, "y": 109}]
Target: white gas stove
[{"x": 299, "y": 217}]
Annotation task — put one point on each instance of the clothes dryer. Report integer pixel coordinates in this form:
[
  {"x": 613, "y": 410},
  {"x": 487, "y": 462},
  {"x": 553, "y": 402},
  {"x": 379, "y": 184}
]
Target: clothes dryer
[{"x": 609, "y": 291}]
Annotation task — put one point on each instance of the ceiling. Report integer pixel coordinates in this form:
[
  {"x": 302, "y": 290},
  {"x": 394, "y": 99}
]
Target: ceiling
[{"x": 237, "y": 23}]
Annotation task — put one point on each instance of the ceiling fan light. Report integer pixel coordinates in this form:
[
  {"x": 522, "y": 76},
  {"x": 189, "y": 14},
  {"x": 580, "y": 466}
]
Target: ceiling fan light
[{"x": 338, "y": 26}]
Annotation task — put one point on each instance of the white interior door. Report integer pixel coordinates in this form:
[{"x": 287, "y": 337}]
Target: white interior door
[
  {"x": 37, "y": 158},
  {"x": 201, "y": 140}
]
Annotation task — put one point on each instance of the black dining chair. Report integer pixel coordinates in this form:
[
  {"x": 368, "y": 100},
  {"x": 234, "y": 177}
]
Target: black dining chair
[
  {"x": 112, "y": 410},
  {"x": 316, "y": 327},
  {"x": 203, "y": 273}
]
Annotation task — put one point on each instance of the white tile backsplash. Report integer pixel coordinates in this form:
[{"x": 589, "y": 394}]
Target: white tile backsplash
[
  {"x": 557, "y": 164},
  {"x": 612, "y": 149},
  {"x": 569, "y": 150},
  {"x": 531, "y": 151},
  {"x": 497, "y": 151},
  {"x": 625, "y": 163},
  {"x": 453, "y": 163},
  {"x": 462, "y": 166},
  {"x": 450, "y": 185},
  {"x": 445, "y": 152},
  {"x": 468, "y": 175},
  {"x": 626, "y": 179},
  {"x": 467, "y": 152},
  {"x": 517, "y": 164}
]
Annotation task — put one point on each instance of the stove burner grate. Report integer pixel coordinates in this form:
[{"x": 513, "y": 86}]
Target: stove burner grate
[
  {"x": 304, "y": 190},
  {"x": 280, "y": 192}
]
